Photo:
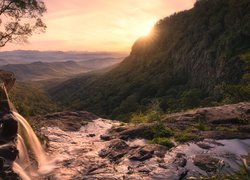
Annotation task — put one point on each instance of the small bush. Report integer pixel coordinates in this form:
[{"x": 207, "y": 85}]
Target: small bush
[
  {"x": 138, "y": 118},
  {"x": 160, "y": 130},
  {"x": 153, "y": 114},
  {"x": 163, "y": 141}
]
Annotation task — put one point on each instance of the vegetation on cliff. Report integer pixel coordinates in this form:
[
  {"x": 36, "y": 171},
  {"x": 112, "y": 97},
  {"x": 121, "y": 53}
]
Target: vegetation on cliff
[
  {"x": 198, "y": 57},
  {"x": 31, "y": 100}
]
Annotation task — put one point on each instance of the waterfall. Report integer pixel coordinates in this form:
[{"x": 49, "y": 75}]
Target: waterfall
[{"x": 27, "y": 139}]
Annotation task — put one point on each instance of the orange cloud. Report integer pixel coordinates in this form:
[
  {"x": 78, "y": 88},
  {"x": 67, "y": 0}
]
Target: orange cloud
[{"x": 99, "y": 25}]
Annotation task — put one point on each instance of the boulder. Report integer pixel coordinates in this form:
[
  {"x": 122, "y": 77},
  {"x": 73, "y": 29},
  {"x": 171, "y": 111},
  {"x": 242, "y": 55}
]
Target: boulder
[
  {"x": 105, "y": 137},
  {"x": 206, "y": 162},
  {"x": 140, "y": 131},
  {"x": 8, "y": 153},
  {"x": 8, "y": 128},
  {"x": 141, "y": 154},
  {"x": 115, "y": 150},
  {"x": 7, "y": 79}
]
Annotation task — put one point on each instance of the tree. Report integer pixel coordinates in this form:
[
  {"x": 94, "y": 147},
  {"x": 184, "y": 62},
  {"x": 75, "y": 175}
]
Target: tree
[{"x": 19, "y": 19}]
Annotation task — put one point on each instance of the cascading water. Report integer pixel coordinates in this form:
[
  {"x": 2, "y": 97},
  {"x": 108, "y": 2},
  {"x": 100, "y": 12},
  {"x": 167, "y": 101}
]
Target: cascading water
[
  {"x": 13, "y": 125},
  {"x": 28, "y": 139}
]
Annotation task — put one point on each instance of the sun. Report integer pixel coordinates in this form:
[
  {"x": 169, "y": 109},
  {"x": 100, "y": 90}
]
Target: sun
[{"x": 145, "y": 28}]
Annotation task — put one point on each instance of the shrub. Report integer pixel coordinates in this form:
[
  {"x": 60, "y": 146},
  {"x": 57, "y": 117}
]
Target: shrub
[
  {"x": 159, "y": 130},
  {"x": 163, "y": 141},
  {"x": 152, "y": 114},
  {"x": 184, "y": 137}
]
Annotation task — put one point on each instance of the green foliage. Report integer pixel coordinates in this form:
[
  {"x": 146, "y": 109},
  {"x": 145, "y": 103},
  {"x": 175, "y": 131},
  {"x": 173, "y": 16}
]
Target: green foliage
[
  {"x": 194, "y": 58},
  {"x": 163, "y": 141},
  {"x": 152, "y": 114},
  {"x": 160, "y": 130},
  {"x": 235, "y": 93},
  {"x": 230, "y": 129},
  {"x": 202, "y": 125},
  {"x": 22, "y": 18},
  {"x": 185, "y": 137},
  {"x": 30, "y": 100}
]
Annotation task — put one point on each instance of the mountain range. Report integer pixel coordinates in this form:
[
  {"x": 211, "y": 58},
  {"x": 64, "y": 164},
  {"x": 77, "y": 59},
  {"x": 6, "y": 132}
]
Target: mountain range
[
  {"x": 198, "y": 57},
  {"x": 31, "y": 65}
]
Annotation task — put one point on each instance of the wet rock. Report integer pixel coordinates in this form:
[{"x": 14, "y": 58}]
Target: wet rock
[
  {"x": 91, "y": 135},
  {"x": 96, "y": 167},
  {"x": 116, "y": 150},
  {"x": 141, "y": 154},
  {"x": 144, "y": 169},
  {"x": 8, "y": 128},
  {"x": 8, "y": 174},
  {"x": 118, "y": 129},
  {"x": 213, "y": 142},
  {"x": 225, "y": 135},
  {"x": 67, "y": 120},
  {"x": 130, "y": 170},
  {"x": 206, "y": 162},
  {"x": 105, "y": 137},
  {"x": 67, "y": 162},
  {"x": 8, "y": 152},
  {"x": 204, "y": 145},
  {"x": 159, "y": 150},
  {"x": 140, "y": 131},
  {"x": 1, "y": 164},
  {"x": 180, "y": 160}
]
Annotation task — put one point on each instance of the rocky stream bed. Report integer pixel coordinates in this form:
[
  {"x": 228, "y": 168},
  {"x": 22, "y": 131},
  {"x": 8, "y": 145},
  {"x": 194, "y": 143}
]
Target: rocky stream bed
[{"x": 96, "y": 149}]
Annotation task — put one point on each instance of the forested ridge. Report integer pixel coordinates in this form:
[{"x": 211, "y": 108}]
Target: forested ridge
[{"x": 198, "y": 57}]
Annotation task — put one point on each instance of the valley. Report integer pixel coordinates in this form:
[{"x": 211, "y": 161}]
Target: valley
[{"x": 176, "y": 107}]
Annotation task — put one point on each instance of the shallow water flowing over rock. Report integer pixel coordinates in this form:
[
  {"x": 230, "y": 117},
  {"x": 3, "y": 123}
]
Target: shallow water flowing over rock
[
  {"x": 84, "y": 155},
  {"x": 23, "y": 166}
]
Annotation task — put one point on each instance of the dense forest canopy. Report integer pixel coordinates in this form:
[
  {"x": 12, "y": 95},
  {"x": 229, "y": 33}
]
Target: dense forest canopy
[{"x": 198, "y": 57}]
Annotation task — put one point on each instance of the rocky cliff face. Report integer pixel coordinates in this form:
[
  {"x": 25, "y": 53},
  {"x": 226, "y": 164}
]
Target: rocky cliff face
[
  {"x": 193, "y": 58},
  {"x": 8, "y": 128}
]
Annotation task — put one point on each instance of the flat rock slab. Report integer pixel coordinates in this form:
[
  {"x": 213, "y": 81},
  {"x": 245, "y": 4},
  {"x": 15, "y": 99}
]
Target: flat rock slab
[
  {"x": 67, "y": 121},
  {"x": 227, "y": 114}
]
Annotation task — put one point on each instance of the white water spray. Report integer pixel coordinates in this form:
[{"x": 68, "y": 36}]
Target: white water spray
[{"x": 22, "y": 166}]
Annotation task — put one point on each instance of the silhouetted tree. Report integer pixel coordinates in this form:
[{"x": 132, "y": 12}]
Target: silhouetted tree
[{"x": 19, "y": 19}]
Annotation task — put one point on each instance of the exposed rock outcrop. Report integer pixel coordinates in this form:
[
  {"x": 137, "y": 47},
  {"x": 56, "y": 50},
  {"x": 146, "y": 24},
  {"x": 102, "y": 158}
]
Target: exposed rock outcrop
[
  {"x": 8, "y": 128},
  {"x": 67, "y": 120}
]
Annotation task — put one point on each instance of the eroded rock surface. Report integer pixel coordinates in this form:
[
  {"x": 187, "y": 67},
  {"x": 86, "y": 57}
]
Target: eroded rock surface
[
  {"x": 67, "y": 120},
  {"x": 8, "y": 128},
  {"x": 80, "y": 156}
]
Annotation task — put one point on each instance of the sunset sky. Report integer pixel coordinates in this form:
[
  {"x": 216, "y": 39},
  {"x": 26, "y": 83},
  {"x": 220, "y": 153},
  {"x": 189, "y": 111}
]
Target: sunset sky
[{"x": 99, "y": 25}]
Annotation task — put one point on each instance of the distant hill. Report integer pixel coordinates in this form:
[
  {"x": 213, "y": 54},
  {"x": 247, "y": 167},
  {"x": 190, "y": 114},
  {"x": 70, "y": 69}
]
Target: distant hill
[
  {"x": 198, "y": 57},
  {"x": 43, "y": 70},
  {"x": 27, "y": 56}
]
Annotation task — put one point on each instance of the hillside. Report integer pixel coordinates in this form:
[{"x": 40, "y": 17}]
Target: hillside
[
  {"x": 29, "y": 99},
  {"x": 198, "y": 57},
  {"x": 43, "y": 70},
  {"x": 29, "y": 56}
]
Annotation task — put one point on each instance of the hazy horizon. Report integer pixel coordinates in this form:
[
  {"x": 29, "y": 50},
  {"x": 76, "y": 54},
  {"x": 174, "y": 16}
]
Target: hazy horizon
[{"x": 98, "y": 25}]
